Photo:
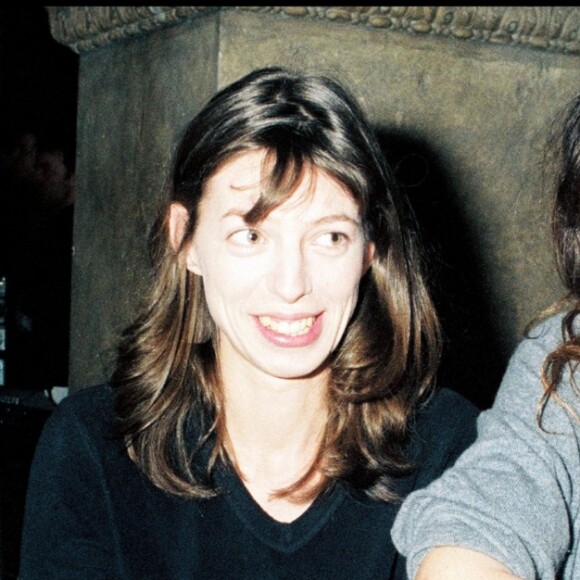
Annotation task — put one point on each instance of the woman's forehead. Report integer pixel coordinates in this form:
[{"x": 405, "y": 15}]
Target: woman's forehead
[{"x": 238, "y": 183}]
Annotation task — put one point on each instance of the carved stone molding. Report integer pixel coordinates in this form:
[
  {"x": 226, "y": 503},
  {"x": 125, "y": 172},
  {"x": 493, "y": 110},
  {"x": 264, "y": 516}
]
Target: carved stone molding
[{"x": 552, "y": 28}]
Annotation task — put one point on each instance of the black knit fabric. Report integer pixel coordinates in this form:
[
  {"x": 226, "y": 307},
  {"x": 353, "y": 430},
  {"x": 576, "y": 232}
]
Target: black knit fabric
[{"x": 91, "y": 514}]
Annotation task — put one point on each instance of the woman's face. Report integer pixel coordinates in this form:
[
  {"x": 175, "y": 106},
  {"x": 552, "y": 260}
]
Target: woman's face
[{"x": 281, "y": 292}]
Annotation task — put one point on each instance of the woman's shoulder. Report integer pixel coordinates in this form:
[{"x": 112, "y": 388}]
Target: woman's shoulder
[
  {"x": 80, "y": 431},
  {"x": 522, "y": 387},
  {"x": 445, "y": 410},
  {"x": 542, "y": 337},
  {"x": 522, "y": 376},
  {"x": 91, "y": 408},
  {"x": 89, "y": 400},
  {"x": 445, "y": 426}
]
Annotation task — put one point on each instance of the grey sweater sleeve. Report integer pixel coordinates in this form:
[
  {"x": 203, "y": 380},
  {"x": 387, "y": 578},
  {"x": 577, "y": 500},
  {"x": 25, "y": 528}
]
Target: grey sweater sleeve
[{"x": 514, "y": 494}]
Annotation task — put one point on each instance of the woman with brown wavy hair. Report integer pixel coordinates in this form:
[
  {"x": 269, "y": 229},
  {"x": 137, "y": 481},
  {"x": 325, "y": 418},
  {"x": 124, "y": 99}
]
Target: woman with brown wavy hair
[
  {"x": 274, "y": 399},
  {"x": 510, "y": 506}
]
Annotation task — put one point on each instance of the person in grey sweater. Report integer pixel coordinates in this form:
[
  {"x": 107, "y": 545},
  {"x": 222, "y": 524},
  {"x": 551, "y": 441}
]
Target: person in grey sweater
[{"x": 510, "y": 506}]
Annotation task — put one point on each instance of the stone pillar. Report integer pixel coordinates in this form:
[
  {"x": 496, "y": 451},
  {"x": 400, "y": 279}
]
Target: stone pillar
[{"x": 463, "y": 98}]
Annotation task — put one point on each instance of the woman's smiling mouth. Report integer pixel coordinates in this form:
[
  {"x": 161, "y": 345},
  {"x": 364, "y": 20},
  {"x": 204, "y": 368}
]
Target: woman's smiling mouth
[
  {"x": 293, "y": 331},
  {"x": 287, "y": 327}
]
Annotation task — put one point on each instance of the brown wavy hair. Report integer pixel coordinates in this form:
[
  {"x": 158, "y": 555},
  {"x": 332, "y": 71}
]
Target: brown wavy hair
[
  {"x": 566, "y": 238},
  {"x": 167, "y": 379}
]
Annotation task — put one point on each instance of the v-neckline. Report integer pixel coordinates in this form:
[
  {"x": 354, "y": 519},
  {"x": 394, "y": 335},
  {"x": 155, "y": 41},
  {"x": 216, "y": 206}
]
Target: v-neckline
[{"x": 281, "y": 536}]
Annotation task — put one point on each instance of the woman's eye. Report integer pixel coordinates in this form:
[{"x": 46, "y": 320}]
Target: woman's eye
[
  {"x": 246, "y": 237},
  {"x": 332, "y": 239}
]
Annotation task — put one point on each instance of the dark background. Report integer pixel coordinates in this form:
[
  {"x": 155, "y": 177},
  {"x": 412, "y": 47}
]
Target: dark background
[
  {"x": 38, "y": 93},
  {"x": 38, "y": 76}
]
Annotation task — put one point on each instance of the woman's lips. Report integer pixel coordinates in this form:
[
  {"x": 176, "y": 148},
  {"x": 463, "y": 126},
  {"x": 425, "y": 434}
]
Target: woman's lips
[
  {"x": 288, "y": 327},
  {"x": 292, "y": 331}
]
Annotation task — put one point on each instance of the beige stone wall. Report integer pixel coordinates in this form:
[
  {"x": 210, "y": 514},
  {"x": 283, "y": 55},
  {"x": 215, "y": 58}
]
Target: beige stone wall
[
  {"x": 463, "y": 100},
  {"x": 134, "y": 100}
]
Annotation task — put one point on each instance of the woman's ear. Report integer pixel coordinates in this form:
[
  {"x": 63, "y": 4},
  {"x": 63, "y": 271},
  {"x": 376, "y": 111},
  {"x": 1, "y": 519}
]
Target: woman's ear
[
  {"x": 178, "y": 222},
  {"x": 368, "y": 257}
]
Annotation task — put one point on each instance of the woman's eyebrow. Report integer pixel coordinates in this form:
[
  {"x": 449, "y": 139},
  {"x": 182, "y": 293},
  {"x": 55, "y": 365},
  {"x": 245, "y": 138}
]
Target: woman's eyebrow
[
  {"x": 337, "y": 217},
  {"x": 331, "y": 218},
  {"x": 236, "y": 212}
]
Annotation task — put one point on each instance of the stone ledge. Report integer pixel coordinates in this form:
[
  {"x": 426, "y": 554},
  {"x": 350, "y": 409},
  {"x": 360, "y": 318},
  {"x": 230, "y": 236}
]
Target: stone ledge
[{"x": 550, "y": 28}]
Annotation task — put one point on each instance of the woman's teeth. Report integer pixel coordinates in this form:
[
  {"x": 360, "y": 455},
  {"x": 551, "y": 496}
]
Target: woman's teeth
[{"x": 290, "y": 328}]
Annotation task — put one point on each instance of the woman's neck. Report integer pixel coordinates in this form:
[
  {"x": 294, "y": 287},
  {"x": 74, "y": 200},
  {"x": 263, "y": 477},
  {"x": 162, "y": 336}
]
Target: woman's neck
[{"x": 274, "y": 430}]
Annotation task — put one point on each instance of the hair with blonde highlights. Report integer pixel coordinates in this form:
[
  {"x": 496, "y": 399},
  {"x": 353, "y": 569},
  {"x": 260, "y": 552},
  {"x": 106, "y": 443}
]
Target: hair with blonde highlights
[{"x": 167, "y": 381}]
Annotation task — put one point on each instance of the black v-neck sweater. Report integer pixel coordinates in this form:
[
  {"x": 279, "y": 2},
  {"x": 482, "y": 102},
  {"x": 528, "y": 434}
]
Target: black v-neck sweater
[{"x": 91, "y": 514}]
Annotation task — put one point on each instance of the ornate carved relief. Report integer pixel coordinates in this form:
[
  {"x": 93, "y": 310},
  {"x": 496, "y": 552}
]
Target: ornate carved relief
[
  {"x": 555, "y": 28},
  {"x": 87, "y": 27}
]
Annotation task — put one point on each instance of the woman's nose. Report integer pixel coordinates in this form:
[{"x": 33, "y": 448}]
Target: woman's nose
[{"x": 290, "y": 276}]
